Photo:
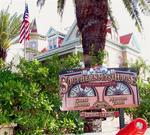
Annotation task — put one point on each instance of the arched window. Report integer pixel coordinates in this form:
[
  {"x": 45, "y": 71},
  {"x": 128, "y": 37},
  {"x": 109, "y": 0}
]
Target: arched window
[
  {"x": 77, "y": 91},
  {"x": 120, "y": 89}
]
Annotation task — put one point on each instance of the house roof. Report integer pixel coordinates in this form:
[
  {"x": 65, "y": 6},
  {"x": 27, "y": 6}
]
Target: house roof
[
  {"x": 54, "y": 32},
  {"x": 34, "y": 27},
  {"x": 34, "y": 32},
  {"x": 125, "y": 39}
]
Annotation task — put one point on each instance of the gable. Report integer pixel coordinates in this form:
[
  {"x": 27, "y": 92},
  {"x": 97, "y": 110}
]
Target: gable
[
  {"x": 73, "y": 33},
  {"x": 130, "y": 41},
  {"x": 134, "y": 43},
  {"x": 125, "y": 39},
  {"x": 51, "y": 32}
]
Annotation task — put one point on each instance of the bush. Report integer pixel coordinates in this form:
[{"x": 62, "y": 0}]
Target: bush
[
  {"x": 143, "y": 111},
  {"x": 30, "y": 98}
]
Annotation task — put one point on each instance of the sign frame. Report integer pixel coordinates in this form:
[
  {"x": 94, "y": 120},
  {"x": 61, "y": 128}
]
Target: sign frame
[{"x": 98, "y": 87}]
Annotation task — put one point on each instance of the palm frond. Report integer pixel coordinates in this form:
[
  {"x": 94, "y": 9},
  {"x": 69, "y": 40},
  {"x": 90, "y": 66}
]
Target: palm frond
[
  {"x": 131, "y": 6},
  {"x": 40, "y": 3},
  {"x": 9, "y": 28},
  {"x": 60, "y": 6},
  {"x": 112, "y": 17},
  {"x": 14, "y": 25},
  {"x": 144, "y": 6}
]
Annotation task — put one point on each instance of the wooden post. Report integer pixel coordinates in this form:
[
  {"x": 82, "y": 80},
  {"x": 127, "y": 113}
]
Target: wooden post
[
  {"x": 121, "y": 118},
  {"x": 92, "y": 125}
]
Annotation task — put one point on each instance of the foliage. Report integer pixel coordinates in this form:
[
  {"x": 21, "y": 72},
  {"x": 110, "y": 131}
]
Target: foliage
[
  {"x": 140, "y": 66},
  {"x": 98, "y": 59},
  {"x": 1, "y": 63},
  {"x": 144, "y": 6},
  {"x": 29, "y": 97},
  {"x": 143, "y": 111},
  {"x": 9, "y": 29},
  {"x": 133, "y": 7}
]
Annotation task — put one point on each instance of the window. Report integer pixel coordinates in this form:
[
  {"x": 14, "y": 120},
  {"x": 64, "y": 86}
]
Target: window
[
  {"x": 33, "y": 44},
  {"x": 55, "y": 42},
  {"x": 50, "y": 44},
  {"x": 60, "y": 41}
]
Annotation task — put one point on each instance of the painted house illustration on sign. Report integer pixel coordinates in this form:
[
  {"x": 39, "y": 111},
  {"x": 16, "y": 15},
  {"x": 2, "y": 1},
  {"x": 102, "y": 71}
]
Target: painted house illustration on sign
[{"x": 119, "y": 50}]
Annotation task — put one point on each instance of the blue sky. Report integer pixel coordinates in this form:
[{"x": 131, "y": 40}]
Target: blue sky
[{"x": 48, "y": 17}]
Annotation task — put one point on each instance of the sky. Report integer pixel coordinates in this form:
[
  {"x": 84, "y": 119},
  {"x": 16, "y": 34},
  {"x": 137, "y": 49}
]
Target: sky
[{"x": 47, "y": 17}]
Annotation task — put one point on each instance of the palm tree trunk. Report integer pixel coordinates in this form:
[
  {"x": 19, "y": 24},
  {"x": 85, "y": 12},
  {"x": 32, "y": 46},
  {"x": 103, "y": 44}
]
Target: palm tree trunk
[
  {"x": 3, "y": 53},
  {"x": 92, "y": 22}
]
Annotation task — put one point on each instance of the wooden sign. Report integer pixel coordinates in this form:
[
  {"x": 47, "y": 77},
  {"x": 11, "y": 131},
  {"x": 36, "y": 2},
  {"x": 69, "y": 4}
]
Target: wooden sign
[
  {"x": 99, "y": 114},
  {"x": 98, "y": 87}
]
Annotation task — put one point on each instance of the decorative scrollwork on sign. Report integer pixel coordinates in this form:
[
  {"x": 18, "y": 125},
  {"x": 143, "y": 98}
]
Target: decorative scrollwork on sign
[
  {"x": 101, "y": 104},
  {"x": 98, "y": 70},
  {"x": 64, "y": 86}
]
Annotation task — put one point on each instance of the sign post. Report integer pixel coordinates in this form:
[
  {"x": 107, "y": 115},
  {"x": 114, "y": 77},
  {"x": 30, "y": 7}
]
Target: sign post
[{"x": 121, "y": 118}]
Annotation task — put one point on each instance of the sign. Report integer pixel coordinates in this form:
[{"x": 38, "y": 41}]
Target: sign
[
  {"x": 98, "y": 87},
  {"x": 99, "y": 114}
]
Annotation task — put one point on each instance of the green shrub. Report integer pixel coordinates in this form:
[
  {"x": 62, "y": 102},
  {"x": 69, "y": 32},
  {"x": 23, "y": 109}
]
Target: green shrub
[
  {"x": 30, "y": 98},
  {"x": 143, "y": 110}
]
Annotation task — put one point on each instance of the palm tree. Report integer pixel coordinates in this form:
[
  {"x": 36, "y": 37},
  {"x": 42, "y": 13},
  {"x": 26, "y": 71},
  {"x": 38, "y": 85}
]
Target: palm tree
[
  {"x": 9, "y": 29},
  {"x": 92, "y": 16},
  {"x": 140, "y": 67}
]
